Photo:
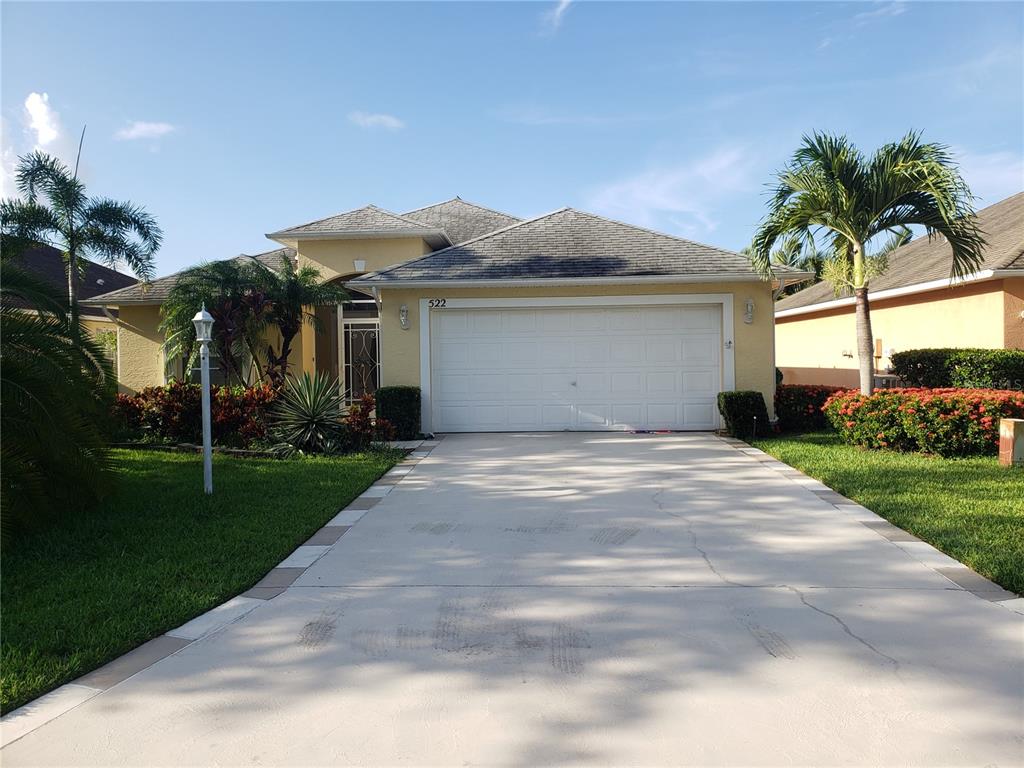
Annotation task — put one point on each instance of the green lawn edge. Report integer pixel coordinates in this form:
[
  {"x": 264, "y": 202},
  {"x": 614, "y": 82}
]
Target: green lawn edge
[
  {"x": 970, "y": 508},
  {"x": 88, "y": 589}
]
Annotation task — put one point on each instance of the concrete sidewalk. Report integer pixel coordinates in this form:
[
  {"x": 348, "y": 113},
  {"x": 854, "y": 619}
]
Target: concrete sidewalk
[{"x": 585, "y": 599}]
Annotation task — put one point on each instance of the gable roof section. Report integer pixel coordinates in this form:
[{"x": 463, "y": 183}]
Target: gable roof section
[
  {"x": 156, "y": 291},
  {"x": 47, "y": 263},
  {"x": 570, "y": 245},
  {"x": 368, "y": 221},
  {"x": 927, "y": 263},
  {"x": 462, "y": 220}
]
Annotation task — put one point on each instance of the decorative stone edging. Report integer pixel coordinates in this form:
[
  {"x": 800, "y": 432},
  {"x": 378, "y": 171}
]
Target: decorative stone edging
[
  {"x": 52, "y": 705},
  {"x": 944, "y": 565}
]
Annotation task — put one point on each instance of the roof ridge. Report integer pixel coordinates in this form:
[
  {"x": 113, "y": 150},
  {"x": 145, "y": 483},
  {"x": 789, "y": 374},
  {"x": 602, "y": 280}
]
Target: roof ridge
[
  {"x": 656, "y": 232},
  {"x": 520, "y": 223},
  {"x": 464, "y": 202},
  {"x": 377, "y": 208}
]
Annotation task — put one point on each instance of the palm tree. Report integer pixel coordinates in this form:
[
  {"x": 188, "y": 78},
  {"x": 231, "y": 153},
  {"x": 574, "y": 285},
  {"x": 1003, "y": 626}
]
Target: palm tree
[
  {"x": 292, "y": 291},
  {"x": 230, "y": 292},
  {"x": 831, "y": 191},
  {"x": 56, "y": 389},
  {"x": 796, "y": 254},
  {"x": 79, "y": 226},
  {"x": 246, "y": 297}
]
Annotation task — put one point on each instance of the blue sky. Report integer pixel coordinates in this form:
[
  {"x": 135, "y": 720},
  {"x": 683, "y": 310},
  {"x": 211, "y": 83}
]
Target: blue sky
[{"x": 231, "y": 120}]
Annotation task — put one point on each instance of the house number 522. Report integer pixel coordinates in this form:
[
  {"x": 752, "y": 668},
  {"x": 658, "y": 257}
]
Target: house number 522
[{"x": 437, "y": 303}]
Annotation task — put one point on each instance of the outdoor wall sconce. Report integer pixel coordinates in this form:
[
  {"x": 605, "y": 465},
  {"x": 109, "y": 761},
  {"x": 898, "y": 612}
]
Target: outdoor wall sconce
[
  {"x": 360, "y": 265},
  {"x": 403, "y": 317},
  {"x": 748, "y": 312}
]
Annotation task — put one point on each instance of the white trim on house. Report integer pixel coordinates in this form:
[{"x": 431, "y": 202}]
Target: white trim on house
[
  {"x": 288, "y": 238},
  {"x": 725, "y": 300},
  {"x": 906, "y": 290}
]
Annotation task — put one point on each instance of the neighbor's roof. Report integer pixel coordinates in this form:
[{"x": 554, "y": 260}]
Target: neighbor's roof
[
  {"x": 47, "y": 263},
  {"x": 924, "y": 261},
  {"x": 368, "y": 221},
  {"x": 461, "y": 220},
  {"x": 156, "y": 291},
  {"x": 570, "y": 245}
]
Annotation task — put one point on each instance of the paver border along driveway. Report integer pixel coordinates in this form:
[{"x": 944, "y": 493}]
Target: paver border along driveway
[{"x": 580, "y": 599}]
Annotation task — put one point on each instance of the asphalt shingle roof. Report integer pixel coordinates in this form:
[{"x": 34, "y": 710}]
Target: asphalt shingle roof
[
  {"x": 156, "y": 291},
  {"x": 461, "y": 221},
  {"x": 370, "y": 218},
  {"x": 47, "y": 263},
  {"x": 922, "y": 261},
  {"x": 567, "y": 244}
]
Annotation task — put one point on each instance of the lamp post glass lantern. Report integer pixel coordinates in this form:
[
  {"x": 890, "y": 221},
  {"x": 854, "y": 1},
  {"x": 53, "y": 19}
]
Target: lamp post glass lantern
[{"x": 203, "y": 321}]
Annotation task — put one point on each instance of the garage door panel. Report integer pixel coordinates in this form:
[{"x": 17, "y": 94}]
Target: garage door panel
[
  {"x": 662, "y": 350},
  {"x": 642, "y": 367},
  {"x": 662, "y": 383}
]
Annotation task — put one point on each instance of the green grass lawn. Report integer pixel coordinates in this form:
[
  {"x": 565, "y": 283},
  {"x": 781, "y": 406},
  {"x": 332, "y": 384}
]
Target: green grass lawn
[
  {"x": 971, "y": 509},
  {"x": 157, "y": 554}
]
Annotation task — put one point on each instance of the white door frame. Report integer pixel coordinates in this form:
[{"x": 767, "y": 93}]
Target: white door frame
[{"x": 725, "y": 300}]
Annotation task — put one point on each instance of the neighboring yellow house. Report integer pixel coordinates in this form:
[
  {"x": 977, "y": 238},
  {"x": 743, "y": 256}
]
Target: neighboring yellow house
[
  {"x": 914, "y": 305},
  {"x": 47, "y": 263},
  {"x": 562, "y": 322}
]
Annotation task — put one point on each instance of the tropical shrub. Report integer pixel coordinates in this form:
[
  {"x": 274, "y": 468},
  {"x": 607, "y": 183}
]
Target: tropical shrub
[
  {"x": 946, "y": 422},
  {"x": 56, "y": 388},
  {"x": 173, "y": 413},
  {"x": 969, "y": 368},
  {"x": 798, "y": 407},
  {"x": 361, "y": 428},
  {"x": 401, "y": 407},
  {"x": 744, "y": 412}
]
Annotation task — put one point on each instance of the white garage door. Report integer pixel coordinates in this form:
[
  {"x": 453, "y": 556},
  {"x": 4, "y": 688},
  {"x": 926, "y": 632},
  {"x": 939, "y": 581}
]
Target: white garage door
[{"x": 575, "y": 368}]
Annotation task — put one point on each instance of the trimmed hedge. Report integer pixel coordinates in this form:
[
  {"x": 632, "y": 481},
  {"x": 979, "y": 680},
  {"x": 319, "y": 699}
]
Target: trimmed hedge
[
  {"x": 798, "y": 407},
  {"x": 745, "y": 413},
  {"x": 400, "y": 406},
  {"x": 963, "y": 368},
  {"x": 947, "y": 422}
]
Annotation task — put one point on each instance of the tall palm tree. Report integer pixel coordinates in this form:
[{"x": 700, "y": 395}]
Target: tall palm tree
[
  {"x": 794, "y": 253},
  {"x": 832, "y": 192},
  {"x": 56, "y": 389},
  {"x": 292, "y": 291},
  {"x": 56, "y": 210}
]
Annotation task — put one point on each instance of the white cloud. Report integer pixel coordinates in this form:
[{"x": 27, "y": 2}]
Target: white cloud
[
  {"x": 8, "y": 161},
  {"x": 375, "y": 120},
  {"x": 140, "y": 129},
  {"x": 881, "y": 11},
  {"x": 681, "y": 197},
  {"x": 41, "y": 120},
  {"x": 992, "y": 176},
  {"x": 552, "y": 19}
]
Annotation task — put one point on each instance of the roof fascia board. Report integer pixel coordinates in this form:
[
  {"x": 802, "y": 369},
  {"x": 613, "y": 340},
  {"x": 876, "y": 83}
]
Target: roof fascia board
[
  {"x": 716, "y": 277},
  {"x": 906, "y": 290}
]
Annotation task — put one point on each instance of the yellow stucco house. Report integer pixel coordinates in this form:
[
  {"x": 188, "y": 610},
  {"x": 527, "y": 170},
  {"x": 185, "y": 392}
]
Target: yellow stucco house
[
  {"x": 565, "y": 321},
  {"x": 914, "y": 305}
]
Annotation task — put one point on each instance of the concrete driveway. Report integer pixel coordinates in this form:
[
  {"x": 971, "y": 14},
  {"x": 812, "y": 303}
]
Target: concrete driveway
[{"x": 583, "y": 599}]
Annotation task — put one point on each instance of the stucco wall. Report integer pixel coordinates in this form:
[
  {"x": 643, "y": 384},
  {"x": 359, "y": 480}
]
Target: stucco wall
[
  {"x": 1013, "y": 313},
  {"x": 810, "y": 348},
  {"x": 400, "y": 350},
  {"x": 140, "y": 358},
  {"x": 334, "y": 258}
]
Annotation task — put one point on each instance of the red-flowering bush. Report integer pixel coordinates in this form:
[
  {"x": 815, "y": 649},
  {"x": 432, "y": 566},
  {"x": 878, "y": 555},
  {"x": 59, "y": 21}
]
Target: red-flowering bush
[
  {"x": 173, "y": 413},
  {"x": 798, "y": 407},
  {"x": 946, "y": 422}
]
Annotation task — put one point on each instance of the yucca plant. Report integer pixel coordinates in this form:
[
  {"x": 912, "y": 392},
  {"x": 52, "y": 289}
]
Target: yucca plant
[
  {"x": 56, "y": 389},
  {"x": 308, "y": 416}
]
